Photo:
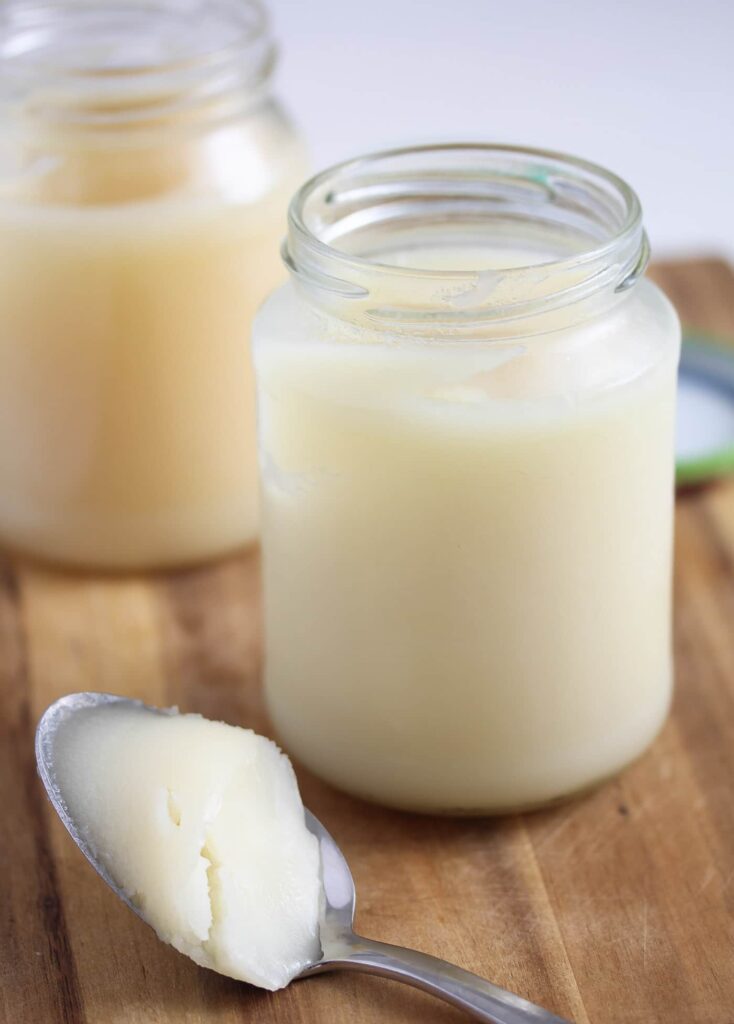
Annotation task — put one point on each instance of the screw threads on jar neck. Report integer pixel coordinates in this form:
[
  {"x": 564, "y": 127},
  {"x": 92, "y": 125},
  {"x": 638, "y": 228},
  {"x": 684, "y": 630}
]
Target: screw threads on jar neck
[
  {"x": 96, "y": 64},
  {"x": 584, "y": 224}
]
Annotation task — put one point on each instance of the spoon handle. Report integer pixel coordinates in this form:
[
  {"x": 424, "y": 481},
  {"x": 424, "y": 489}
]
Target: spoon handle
[{"x": 479, "y": 998}]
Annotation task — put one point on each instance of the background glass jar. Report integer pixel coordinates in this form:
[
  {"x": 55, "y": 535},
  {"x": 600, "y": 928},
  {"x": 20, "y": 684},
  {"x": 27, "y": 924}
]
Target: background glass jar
[
  {"x": 466, "y": 414},
  {"x": 144, "y": 177}
]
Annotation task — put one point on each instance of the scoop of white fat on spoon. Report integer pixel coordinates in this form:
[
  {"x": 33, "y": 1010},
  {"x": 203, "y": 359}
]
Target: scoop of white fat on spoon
[{"x": 199, "y": 828}]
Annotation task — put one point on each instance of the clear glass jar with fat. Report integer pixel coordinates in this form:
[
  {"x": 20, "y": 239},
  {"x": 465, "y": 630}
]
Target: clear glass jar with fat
[
  {"x": 144, "y": 175},
  {"x": 466, "y": 413}
]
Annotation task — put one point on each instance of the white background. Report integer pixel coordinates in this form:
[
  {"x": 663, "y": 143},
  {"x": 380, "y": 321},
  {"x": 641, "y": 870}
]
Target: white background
[{"x": 646, "y": 88}]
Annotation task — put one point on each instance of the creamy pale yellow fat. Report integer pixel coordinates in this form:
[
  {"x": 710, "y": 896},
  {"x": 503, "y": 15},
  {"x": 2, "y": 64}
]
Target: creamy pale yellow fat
[
  {"x": 201, "y": 824},
  {"x": 467, "y": 553},
  {"x": 128, "y": 280}
]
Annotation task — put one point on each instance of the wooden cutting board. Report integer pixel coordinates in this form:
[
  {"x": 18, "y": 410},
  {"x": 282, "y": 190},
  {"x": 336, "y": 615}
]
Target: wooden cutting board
[{"x": 615, "y": 909}]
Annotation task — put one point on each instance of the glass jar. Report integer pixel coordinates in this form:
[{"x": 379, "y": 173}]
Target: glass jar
[
  {"x": 466, "y": 413},
  {"x": 144, "y": 176}
]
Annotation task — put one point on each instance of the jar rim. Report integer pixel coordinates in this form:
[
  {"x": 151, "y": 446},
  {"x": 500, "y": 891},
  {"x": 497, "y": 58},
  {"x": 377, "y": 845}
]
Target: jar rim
[
  {"x": 145, "y": 59},
  {"x": 615, "y": 261}
]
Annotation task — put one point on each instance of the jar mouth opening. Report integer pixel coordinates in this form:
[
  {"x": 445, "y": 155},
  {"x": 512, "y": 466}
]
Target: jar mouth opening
[
  {"x": 415, "y": 225},
  {"x": 109, "y": 62}
]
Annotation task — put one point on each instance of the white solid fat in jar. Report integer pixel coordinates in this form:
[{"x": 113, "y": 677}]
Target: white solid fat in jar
[{"x": 467, "y": 547}]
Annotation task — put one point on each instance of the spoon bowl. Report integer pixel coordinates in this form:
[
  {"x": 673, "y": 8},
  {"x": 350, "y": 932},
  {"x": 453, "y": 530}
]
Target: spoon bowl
[{"x": 341, "y": 947}]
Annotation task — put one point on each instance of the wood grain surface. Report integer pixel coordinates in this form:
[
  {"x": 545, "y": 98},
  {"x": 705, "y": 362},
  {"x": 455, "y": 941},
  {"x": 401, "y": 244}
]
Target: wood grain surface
[{"x": 615, "y": 909}]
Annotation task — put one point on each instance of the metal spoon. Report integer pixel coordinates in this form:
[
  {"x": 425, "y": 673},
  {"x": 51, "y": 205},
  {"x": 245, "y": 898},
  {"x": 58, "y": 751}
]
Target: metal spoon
[{"x": 341, "y": 948}]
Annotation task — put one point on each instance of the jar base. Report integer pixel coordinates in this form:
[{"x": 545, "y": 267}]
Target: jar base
[
  {"x": 130, "y": 567},
  {"x": 502, "y": 810}
]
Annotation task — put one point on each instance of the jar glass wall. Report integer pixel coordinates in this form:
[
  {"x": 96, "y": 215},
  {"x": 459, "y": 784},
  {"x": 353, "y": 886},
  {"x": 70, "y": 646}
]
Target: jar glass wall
[
  {"x": 144, "y": 176},
  {"x": 466, "y": 412}
]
